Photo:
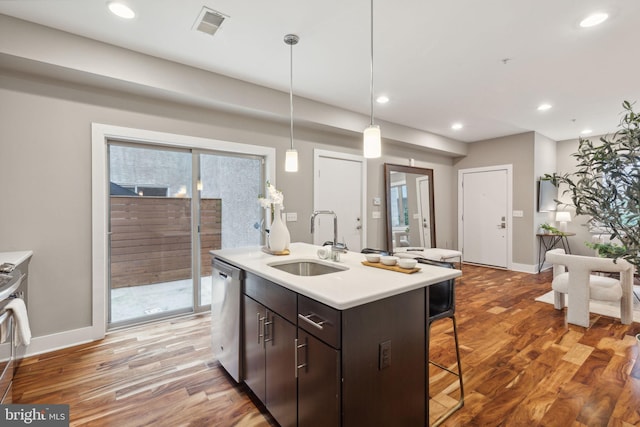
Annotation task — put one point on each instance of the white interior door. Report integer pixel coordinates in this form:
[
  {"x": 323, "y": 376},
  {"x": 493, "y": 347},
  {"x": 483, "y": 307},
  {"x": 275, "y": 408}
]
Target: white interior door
[
  {"x": 424, "y": 214},
  {"x": 485, "y": 221},
  {"x": 339, "y": 187}
]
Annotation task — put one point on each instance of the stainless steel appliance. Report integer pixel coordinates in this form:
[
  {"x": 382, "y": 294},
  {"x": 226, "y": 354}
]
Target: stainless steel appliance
[
  {"x": 9, "y": 288},
  {"x": 225, "y": 316}
]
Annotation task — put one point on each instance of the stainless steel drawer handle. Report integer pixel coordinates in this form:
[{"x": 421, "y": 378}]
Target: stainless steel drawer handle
[
  {"x": 298, "y": 347},
  {"x": 268, "y": 334},
  {"x": 307, "y": 319},
  {"x": 260, "y": 327}
]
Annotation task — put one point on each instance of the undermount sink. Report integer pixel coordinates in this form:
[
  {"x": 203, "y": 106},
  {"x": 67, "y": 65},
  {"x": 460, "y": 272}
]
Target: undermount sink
[{"x": 307, "y": 268}]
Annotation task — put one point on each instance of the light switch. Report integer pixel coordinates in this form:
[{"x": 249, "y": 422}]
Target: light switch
[
  {"x": 292, "y": 216},
  {"x": 518, "y": 214},
  {"x": 376, "y": 201},
  {"x": 375, "y": 214}
]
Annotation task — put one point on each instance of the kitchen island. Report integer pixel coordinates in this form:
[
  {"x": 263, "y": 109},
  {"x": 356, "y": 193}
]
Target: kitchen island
[{"x": 346, "y": 348}]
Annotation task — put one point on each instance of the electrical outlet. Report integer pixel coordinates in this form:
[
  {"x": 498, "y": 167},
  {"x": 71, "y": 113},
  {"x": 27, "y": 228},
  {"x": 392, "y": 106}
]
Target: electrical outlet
[
  {"x": 292, "y": 216},
  {"x": 376, "y": 201},
  {"x": 384, "y": 355}
]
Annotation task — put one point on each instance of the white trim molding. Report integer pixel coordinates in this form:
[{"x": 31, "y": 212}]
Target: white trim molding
[
  {"x": 57, "y": 341},
  {"x": 100, "y": 134},
  {"x": 509, "y": 170},
  {"x": 317, "y": 153}
]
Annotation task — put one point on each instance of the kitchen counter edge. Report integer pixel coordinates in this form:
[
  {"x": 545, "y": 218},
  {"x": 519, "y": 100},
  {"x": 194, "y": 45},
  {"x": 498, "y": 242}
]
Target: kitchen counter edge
[{"x": 342, "y": 290}]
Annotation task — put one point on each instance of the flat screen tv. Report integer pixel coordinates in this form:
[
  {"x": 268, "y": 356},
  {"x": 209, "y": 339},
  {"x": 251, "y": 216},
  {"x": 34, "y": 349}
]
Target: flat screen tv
[{"x": 547, "y": 193}]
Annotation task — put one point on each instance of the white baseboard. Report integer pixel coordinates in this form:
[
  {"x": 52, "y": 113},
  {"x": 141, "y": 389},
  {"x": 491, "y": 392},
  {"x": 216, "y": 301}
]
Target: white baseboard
[
  {"x": 546, "y": 266},
  {"x": 57, "y": 341},
  {"x": 524, "y": 268},
  {"x": 529, "y": 268}
]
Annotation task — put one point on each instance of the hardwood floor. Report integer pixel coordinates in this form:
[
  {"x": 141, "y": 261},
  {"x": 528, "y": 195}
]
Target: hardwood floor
[
  {"x": 522, "y": 365},
  {"x": 153, "y": 375}
]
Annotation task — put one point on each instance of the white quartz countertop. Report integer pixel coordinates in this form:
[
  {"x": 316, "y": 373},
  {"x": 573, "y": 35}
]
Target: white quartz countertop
[
  {"x": 15, "y": 257},
  {"x": 357, "y": 285}
]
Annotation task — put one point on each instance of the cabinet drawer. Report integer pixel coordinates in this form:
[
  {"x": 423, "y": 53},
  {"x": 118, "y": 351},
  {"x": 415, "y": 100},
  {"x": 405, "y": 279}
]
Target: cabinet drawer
[
  {"x": 273, "y": 296},
  {"x": 319, "y": 320}
]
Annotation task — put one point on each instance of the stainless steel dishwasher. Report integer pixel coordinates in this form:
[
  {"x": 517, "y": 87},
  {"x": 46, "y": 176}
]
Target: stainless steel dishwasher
[{"x": 226, "y": 282}]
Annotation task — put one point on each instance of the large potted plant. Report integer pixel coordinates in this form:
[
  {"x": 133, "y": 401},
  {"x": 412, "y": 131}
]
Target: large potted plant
[{"x": 606, "y": 185}]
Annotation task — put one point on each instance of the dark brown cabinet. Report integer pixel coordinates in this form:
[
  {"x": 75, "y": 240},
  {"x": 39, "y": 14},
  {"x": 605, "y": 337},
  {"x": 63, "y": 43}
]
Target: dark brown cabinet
[
  {"x": 318, "y": 382},
  {"x": 254, "y": 350},
  {"x": 281, "y": 382},
  {"x": 313, "y": 365},
  {"x": 318, "y": 360},
  {"x": 384, "y": 362},
  {"x": 269, "y": 361}
]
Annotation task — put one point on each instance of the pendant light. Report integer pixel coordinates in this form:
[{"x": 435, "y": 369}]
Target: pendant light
[
  {"x": 372, "y": 144},
  {"x": 291, "y": 158}
]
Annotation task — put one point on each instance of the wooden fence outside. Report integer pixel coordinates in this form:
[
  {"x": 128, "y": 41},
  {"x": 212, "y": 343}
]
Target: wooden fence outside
[{"x": 151, "y": 239}]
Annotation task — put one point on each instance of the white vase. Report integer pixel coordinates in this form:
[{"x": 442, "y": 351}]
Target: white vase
[
  {"x": 286, "y": 229},
  {"x": 278, "y": 233}
]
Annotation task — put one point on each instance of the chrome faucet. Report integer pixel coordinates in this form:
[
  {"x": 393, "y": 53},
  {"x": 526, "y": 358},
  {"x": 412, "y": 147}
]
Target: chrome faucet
[{"x": 336, "y": 248}]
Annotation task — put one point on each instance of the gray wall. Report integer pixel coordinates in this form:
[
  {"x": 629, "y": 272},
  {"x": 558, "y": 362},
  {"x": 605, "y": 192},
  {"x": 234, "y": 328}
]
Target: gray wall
[
  {"x": 46, "y": 149},
  {"x": 567, "y": 164},
  {"x": 53, "y": 85},
  {"x": 544, "y": 162}
]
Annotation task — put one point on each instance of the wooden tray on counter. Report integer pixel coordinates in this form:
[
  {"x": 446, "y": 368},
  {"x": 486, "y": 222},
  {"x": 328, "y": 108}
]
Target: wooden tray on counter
[
  {"x": 391, "y": 267},
  {"x": 270, "y": 252}
]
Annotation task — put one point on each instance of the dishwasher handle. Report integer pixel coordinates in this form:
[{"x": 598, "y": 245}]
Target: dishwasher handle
[{"x": 227, "y": 270}]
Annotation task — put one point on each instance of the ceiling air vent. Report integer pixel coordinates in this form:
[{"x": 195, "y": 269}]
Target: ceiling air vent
[{"x": 209, "y": 21}]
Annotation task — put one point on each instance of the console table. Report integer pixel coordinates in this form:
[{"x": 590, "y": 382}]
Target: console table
[{"x": 551, "y": 241}]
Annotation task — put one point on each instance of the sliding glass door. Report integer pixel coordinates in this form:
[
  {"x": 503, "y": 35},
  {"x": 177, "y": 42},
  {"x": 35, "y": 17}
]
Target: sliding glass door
[
  {"x": 230, "y": 215},
  {"x": 161, "y": 230}
]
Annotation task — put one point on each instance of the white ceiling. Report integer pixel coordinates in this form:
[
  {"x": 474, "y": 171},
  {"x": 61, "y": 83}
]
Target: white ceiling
[{"x": 439, "y": 61}]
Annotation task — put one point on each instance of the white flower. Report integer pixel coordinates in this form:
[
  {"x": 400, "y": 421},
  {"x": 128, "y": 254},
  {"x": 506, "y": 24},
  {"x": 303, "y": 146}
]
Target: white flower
[
  {"x": 274, "y": 197},
  {"x": 265, "y": 203}
]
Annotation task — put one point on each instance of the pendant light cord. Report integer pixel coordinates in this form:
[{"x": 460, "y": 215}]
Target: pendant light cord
[
  {"x": 371, "y": 62},
  {"x": 291, "y": 92},
  {"x": 291, "y": 159}
]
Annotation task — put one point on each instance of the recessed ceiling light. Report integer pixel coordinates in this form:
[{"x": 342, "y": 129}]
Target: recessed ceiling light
[
  {"x": 121, "y": 10},
  {"x": 382, "y": 99},
  {"x": 586, "y": 131},
  {"x": 456, "y": 126},
  {"x": 544, "y": 107},
  {"x": 593, "y": 19}
]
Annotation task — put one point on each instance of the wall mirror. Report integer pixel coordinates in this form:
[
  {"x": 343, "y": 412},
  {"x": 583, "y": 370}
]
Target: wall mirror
[{"x": 410, "y": 210}]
